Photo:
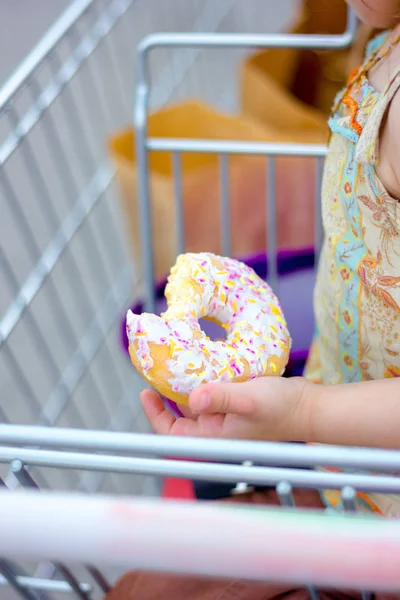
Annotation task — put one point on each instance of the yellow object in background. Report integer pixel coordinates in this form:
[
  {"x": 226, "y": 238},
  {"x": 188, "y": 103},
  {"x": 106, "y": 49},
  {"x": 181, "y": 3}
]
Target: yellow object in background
[
  {"x": 191, "y": 119},
  {"x": 293, "y": 90},
  {"x": 201, "y": 186}
]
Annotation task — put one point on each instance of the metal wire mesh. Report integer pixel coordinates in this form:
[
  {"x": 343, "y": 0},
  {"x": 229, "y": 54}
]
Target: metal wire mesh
[{"x": 64, "y": 286}]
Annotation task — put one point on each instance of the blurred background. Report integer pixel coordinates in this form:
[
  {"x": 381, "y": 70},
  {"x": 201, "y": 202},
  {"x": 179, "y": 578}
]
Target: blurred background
[
  {"x": 67, "y": 275},
  {"x": 23, "y": 23}
]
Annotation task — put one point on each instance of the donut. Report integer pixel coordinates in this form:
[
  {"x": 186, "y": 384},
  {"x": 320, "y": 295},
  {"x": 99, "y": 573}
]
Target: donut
[{"x": 174, "y": 355}]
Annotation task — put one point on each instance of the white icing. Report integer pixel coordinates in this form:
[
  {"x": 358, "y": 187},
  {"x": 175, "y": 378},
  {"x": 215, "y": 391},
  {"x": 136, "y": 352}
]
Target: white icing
[{"x": 229, "y": 292}]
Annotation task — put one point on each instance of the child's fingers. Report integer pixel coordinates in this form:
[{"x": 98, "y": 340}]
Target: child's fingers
[
  {"x": 185, "y": 410},
  {"x": 164, "y": 423},
  {"x": 235, "y": 398},
  {"x": 160, "y": 418},
  {"x": 208, "y": 426}
]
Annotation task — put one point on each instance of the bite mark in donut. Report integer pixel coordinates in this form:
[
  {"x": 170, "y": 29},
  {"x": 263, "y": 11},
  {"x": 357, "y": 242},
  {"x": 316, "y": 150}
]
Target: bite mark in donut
[{"x": 173, "y": 353}]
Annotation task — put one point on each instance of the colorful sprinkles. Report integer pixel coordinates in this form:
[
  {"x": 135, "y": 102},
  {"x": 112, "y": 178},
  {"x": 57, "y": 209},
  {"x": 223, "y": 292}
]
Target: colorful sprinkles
[{"x": 233, "y": 296}]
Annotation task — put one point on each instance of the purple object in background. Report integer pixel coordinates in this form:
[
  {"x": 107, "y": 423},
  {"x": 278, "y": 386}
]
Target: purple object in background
[{"x": 295, "y": 292}]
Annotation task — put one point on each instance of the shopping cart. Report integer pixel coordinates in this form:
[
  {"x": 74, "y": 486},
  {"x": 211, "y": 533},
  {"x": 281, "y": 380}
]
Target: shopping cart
[{"x": 68, "y": 393}]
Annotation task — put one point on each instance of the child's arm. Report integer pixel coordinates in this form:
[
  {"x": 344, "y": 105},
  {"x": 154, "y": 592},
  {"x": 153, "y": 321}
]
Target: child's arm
[
  {"x": 354, "y": 414},
  {"x": 274, "y": 408}
]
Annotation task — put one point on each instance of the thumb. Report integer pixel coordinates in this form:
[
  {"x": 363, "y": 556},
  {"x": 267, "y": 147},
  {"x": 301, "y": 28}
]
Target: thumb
[{"x": 241, "y": 399}]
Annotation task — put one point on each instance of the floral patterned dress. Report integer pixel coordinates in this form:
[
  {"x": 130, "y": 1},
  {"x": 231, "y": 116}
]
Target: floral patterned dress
[{"x": 357, "y": 294}]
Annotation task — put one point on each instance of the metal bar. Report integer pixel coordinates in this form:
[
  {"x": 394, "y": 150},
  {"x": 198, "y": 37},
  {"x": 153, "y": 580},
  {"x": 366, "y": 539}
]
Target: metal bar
[
  {"x": 12, "y": 482},
  {"x": 122, "y": 420},
  {"x": 90, "y": 240},
  {"x": 145, "y": 221},
  {"x": 179, "y": 208},
  {"x": 98, "y": 578},
  {"x": 283, "y": 454},
  {"x": 225, "y": 208},
  {"x": 39, "y": 273},
  {"x": 85, "y": 152},
  {"x": 40, "y": 342},
  {"x": 349, "y": 496},
  {"x": 244, "y": 40},
  {"x": 31, "y": 163},
  {"x": 12, "y": 579},
  {"x": 224, "y": 40},
  {"x": 318, "y": 235},
  {"x": 284, "y": 546},
  {"x": 242, "y": 487},
  {"x": 70, "y": 67},
  {"x": 203, "y": 471},
  {"x": 66, "y": 174},
  {"x": 232, "y": 147},
  {"x": 103, "y": 26},
  {"x": 271, "y": 225},
  {"x": 284, "y": 491},
  {"x": 84, "y": 149},
  {"x": 42, "y": 595},
  {"x": 237, "y": 40},
  {"x": 17, "y": 306},
  {"x": 45, "y": 585},
  {"x": 48, "y": 259},
  {"x": 54, "y": 35},
  {"x": 88, "y": 348},
  {"x": 3, "y": 418},
  {"x": 72, "y": 581},
  {"x": 99, "y": 31},
  {"x": 29, "y": 394},
  {"x": 26, "y": 480},
  {"x": 313, "y": 593},
  {"x": 211, "y": 16},
  {"x": 34, "y": 249},
  {"x": 82, "y": 146},
  {"x": 349, "y": 499}
]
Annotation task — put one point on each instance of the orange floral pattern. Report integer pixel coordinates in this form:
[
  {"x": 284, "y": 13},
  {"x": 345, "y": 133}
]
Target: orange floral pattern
[
  {"x": 357, "y": 294},
  {"x": 392, "y": 371}
]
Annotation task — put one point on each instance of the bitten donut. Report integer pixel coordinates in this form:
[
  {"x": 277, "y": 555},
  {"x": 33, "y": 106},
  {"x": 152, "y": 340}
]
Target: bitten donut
[{"x": 175, "y": 356}]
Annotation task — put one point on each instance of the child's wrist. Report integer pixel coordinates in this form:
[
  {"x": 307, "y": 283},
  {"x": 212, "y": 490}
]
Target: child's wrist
[{"x": 307, "y": 407}]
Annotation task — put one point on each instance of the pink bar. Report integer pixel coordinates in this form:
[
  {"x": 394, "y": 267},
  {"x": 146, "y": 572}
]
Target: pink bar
[{"x": 296, "y": 547}]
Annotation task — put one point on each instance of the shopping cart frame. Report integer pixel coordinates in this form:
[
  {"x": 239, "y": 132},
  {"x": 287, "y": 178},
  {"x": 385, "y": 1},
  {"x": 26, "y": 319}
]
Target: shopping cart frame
[
  {"x": 23, "y": 447},
  {"x": 285, "y": 466},
  {"x": 223, "y": 149}
]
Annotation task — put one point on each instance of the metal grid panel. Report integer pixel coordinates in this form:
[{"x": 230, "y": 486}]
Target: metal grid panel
[
  {"x": 64, "y": 286},
  {"x": 145, "y": 144}
]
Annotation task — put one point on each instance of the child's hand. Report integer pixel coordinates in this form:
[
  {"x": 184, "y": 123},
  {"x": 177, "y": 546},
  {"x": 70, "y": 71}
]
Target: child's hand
[{"x": 268, "y": 408}]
